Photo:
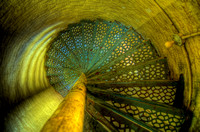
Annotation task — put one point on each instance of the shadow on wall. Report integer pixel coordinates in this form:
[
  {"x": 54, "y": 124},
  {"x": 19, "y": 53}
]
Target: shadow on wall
[{"x": 22, "y": 76}]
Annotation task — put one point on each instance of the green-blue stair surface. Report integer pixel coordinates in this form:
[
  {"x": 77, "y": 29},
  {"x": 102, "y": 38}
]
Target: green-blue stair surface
[{"x": 128, "y": 84}]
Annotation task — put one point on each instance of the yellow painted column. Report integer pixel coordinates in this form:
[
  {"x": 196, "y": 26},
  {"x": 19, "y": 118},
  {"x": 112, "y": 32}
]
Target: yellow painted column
[{"x": 69, "y": 115}]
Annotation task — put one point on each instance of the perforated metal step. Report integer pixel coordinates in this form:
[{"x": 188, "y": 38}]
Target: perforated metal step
[
  {"x": 119, "y": 119},
  {"x": 162, "y": 91},
  {"x": 152, "y": 70},
  {"x": 156, "y": 115}
]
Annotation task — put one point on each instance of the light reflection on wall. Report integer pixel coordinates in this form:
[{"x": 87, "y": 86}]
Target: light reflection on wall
[{"x": 32, "y": 114}]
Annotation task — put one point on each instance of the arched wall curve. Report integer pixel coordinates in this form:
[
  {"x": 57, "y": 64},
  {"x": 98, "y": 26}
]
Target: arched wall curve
[{"x": 29, "y": 26}]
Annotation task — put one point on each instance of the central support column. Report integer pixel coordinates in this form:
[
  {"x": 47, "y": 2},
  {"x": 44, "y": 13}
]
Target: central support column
[{"x": 69, "y": 115}]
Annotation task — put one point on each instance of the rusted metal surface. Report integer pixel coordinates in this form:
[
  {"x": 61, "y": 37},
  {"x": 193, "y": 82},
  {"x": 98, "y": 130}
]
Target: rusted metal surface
[{"x": 69, "y": 115}]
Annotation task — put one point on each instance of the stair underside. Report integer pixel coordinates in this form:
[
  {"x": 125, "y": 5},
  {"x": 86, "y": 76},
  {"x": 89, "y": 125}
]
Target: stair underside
[
  {"x": 149, "y": 115},
  {"x": 128, "y": 84}
]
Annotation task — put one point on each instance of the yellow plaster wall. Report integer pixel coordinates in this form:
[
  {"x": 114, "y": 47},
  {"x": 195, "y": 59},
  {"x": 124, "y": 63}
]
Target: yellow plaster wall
[
  {"x": 32, "y": 114},
  {"x": 193, "y": 48}
]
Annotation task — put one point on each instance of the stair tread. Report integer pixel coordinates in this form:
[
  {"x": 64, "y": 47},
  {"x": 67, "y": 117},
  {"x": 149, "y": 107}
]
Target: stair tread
[
  {"x": 63, "y": 86},
  {"x": 153, "y": 98},
  {"x": 93, "y": 125},
  {"x": 63, "y": 82},
  {"x": 76, "y": 33},
  {"x": 63, "y": 58},
  {"x": 116, "y": 34},
  {"x": 98, "y": 116},
  {"x": 88, "y": 30},
  {"x": 67, "y": 39},
  {"x": 160, "y": 91},
  {"x": 137, "y": 83},
  {"x": 119, "y": 118},
  {"x": 136, "y": 53},
  {"x": 156, "y": 69},
  {"x": 101, "y": 36},
  {"x": 131, "y": 39},
  {"x": 157, "y": 115},
  {"x": 60, "y": 78}
]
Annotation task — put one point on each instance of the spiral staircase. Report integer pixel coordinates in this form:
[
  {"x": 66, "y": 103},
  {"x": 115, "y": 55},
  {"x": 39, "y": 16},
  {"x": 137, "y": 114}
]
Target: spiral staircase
[{"x": 128, "y": 84}]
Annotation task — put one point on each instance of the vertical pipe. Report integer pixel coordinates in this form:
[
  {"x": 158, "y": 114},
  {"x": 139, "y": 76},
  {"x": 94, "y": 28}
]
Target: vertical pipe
[{"x": 69, "y": 115}]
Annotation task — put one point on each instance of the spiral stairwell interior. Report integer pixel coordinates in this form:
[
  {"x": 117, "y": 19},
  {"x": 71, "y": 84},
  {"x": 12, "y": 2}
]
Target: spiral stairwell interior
[{"x": 128, "y": 84}]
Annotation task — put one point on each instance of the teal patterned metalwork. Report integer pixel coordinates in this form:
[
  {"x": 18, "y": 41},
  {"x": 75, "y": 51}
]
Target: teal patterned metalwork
[
  {"x": 92, "y": 125},
  {"x": 159, "y": 116},
  {"x": 151, "y": 70},
  {"x": 119, "y": 119},
  {"x": 162, "y": 91},
  {"x": 128, "y": 53},
  {"x": 128, "y": 84}
]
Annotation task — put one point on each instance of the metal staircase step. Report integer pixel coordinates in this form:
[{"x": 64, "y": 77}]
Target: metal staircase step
[
  {"x": 119, "y": 119},
  {"x": 100, "y": 40},
  {"x": 88, "y": 31},
  {"x": 93, "y": 125},
  {"x": 122, "y": 57},
  {"x": 98, "y": 117},
  {"x": 162, "y": 91},
  {"x": 120, "y": 39},
  {"x": 156, "y": 69},
  {"x": 56, "y": 58},
  {"x": 157, "y": 115},
  {"x": 108, "y": 84},
  {"x": 63, "y": 86},
  {"x": 113, "y": 41}
]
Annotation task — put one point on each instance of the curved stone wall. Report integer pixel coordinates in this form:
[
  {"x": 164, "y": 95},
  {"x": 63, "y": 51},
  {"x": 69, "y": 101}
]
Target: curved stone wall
[{"x": 27, "y": 28}]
